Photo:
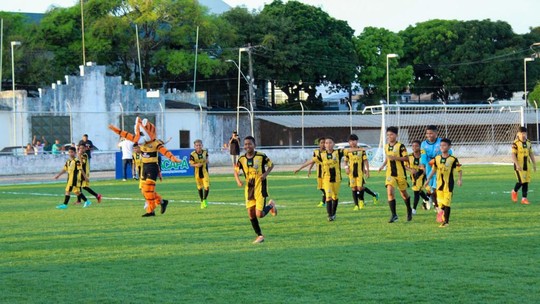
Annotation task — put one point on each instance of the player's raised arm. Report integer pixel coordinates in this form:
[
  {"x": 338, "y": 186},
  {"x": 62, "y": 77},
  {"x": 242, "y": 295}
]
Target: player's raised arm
[{"x": 307, "y": 163}]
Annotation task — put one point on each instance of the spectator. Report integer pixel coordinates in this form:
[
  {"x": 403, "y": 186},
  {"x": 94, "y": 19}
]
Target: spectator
[
  {"x": 38, "y": 145},
  {"x": 29, "y": 150},
  {"x": 127, "y": 155},
  {"x": 234, "y": 147},
  {"x": 88, "y": 144},
  {"x": 57, "y": 148}
]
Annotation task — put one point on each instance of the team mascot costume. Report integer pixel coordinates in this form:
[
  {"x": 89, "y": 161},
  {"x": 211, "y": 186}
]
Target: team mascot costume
[{"x": 145, "y": 136}]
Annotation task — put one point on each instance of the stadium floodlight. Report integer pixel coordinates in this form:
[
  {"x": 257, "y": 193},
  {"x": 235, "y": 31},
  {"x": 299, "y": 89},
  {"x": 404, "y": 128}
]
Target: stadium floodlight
[
  {"x": 13, "y": 44},
  {"x": 388, "y": 56},
  {"x": 525, "y": 60}
]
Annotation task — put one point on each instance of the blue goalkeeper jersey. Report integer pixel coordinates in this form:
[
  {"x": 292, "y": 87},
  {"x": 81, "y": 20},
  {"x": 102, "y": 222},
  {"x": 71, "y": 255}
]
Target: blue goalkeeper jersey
[{"x": 429, "y": 151}]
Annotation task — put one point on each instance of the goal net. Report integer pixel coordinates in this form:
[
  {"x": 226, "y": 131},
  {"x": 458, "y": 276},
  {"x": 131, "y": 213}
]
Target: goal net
[{"x": 479, "y": 133}]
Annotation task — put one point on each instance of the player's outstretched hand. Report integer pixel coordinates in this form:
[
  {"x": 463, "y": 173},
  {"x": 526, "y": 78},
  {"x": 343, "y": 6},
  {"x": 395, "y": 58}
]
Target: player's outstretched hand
[
  {"x": 239, "y": 184},
  {"x": 114, "y": 129}
]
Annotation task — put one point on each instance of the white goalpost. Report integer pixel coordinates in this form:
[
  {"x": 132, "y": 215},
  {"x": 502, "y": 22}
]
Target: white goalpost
[{"x": 479, "y": 133}]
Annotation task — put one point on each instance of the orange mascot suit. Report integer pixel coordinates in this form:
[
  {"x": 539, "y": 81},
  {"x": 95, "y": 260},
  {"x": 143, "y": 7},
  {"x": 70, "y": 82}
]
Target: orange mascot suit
[{"x": 145, "y": 136}]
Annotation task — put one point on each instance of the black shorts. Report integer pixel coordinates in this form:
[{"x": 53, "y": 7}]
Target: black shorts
[{"x": 150, "y": 171}]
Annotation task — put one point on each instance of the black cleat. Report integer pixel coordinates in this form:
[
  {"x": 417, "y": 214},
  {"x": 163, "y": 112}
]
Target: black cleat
[
  {"x": 409, "y": 217},
  {"x": 164, "y": 206},
  {"x": 394, "y": 218},
  {"x": 149, "y": 214}
]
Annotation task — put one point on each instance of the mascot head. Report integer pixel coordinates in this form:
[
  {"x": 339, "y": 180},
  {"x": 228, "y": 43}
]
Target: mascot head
[{"x": 146, "y": 129}]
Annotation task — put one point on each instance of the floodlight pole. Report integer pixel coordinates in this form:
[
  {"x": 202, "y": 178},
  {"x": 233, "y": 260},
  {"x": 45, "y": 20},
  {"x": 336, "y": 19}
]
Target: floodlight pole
[{"x": 302, "y": 106}]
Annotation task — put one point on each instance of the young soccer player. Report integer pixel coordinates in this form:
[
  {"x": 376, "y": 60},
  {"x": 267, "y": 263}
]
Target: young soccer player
[
  {"x": 396, "y": 156},
  {"x": 522, "y": 154},
  {"x": 430, "y": 148},
  {"x": 256, "y": 167},
  {"x": 75, "y": 174},
  {"x": 356, "y": 166},
  {"x": 137, "y": 163},
  {"x": 444, "y": 166},
  {"x": 418, "y": 175},
  {"x": 310, "y": 163},
  {"x": 198, "y": 159},
  {"x": 85, "y": 165}
]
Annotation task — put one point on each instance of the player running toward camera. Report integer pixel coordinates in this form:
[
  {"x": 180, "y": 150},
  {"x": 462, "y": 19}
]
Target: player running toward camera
[
  {"x": 444, "y": 166},
  {"x": 418, "y": 175},
  {"x": 396, "y": 156},
  {"x": 75, "y": 176},
  {"x": 310, "y": 163},
  {"x": 85, "y": 165},
  {"x": 198, "y": 159},
  {"x": 357, "y": 168},
  {"x": 522, "y": 154},
  {"x": 256, "y": 167}
]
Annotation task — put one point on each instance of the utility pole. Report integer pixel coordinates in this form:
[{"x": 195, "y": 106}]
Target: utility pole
[{"x": 251, "y": 83}]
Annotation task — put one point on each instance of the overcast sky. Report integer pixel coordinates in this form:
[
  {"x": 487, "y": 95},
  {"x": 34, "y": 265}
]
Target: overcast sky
[{"x": 394, "y": 15}]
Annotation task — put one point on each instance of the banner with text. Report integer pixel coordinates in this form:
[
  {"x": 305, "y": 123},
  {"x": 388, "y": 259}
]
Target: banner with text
[{"x": 168, "y": 167}]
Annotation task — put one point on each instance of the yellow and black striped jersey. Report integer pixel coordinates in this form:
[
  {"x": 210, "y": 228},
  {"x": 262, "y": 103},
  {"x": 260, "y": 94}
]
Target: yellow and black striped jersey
[
  {"x": 137, "y": 159},
  {"x": 316, "y": 153},
  {"x": 522, "y": 151},
  {"x": 331, "y": 164},
  {"x": 73, "y": 169},
  {"x": 149, "y": 151},
  {"x": 355, "y": 162},
  {"x": 254, "y": 168},
  {"x": 445, "y": 172},
  {"x": 85, "y": 164},
  {"x": 395, "y": 168},
  {"x": 199, "y": 158}
]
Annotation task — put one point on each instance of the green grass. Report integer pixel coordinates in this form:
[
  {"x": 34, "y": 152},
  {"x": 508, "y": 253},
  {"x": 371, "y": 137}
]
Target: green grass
[{"x": 109, "y": 254}]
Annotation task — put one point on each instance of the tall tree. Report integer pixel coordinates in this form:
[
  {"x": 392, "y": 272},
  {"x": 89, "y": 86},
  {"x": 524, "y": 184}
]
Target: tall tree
[{"x": 372, "y": 47}]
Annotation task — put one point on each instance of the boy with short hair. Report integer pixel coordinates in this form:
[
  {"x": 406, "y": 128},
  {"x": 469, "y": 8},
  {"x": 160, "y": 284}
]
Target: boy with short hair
[
  {"x": 396, "y": 156},
  {"x": 198, "y": 159},
  {"x": 137, "y": 163},
  {"x": 445, "y": 165},
  {"x": 256, "y": 167},
  {"x": 85, "y": 166},
  {"x": 75, "y": 174},
  {"x": 310, "y": 163},
  {"x": 522, "y": 154},
  {"x": 418, "y": 176},
  {"x": 356, "y": 166}
]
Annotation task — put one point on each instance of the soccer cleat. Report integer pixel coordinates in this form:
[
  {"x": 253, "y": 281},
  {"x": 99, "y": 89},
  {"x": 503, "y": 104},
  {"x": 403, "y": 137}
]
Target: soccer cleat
[
  {"x": 124, "y": 180},
  {"x": 330, "y": 219},
  {"x": 99, "y": 198},
  {"x": 440, "y": 216},
  {"x": 525, "y": 201},
  {"x": 424, "y": 205},
  {"x": 259, "y": 239},
  {"x": 361, "y": 205},
  {"x": 355, "y": 208},
  {"x": 61, "y": 206},
  {"x": 149, "y": 214},
  {"x": 273, "y": 211},
  {"x": 321, "y": 204},
  {"x": 163, "y": 205},
  {"x": 514, "y": 195},
  {"x": 414, "y": 211},
  {"x": 204, "y": 204},
  {"x": 409, "y": 217},
  {"x": 376, "y": 198},
  {"x": 87, "y": 204},
  {"x": 443, "y": 225},
  {"x": 429, "y": 204},
  {"x": 393, "y": 218}
]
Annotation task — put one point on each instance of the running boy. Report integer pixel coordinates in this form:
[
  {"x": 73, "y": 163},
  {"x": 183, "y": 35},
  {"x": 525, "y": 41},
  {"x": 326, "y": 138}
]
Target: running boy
[
  {"x": 256, "y": 167},
  {"x": 356, "y": 167},
  {"x": 310, "y": 163},
  {"x": 396, "y": 156},
  {"x": 198, "y": 159},
  {"x": 85, "y": 165},
  {"x": 75, "y": 174},
  {"x": 522, "y": 154},
  {"x": 418, "y": 176},
  {"x": 445, "y": 165}
]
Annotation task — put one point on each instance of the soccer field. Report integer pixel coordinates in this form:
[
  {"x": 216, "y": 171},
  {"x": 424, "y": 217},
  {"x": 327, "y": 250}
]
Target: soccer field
[{"x": 108, "y": 253}]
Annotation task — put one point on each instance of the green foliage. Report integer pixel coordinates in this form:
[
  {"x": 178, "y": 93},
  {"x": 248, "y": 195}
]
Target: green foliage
[
  {"x": 372, "y": 46},
  {"x": 534, "y": 95},
  {"x": 191, "y": 255}
]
